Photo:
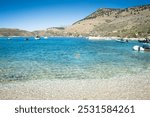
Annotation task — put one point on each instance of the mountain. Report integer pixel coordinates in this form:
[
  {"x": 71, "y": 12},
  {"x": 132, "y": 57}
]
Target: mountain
[{"x": 128, "y": 22}]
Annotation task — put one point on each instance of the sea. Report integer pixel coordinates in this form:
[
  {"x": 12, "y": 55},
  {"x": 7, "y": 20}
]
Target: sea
[{"x": 69, "y": 58}]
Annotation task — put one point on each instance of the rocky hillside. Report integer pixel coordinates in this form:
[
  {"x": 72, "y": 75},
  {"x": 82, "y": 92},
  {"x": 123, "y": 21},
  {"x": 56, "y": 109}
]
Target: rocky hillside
[{"x": 128, "y": 22}]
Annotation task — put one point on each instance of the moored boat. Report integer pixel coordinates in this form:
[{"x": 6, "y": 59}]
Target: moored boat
[
  {"x": 141, "y": 48},
  {"x": 8, "y": 38},
  {"x": 26, "y": 39},
  {"x": 147, "y": 40},
  {"x": 37, "y": 37},
  {"x": 45, "y": 37},
  {"x": 122, "y": 40}
]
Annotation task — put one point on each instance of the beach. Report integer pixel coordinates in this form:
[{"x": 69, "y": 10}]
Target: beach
[
  {"x": 135, "y": 87},
  {"x": 75, "y": 68}
]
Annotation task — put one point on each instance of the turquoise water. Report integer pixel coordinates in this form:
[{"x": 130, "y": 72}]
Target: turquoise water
[{"x": 69, "y": 58}]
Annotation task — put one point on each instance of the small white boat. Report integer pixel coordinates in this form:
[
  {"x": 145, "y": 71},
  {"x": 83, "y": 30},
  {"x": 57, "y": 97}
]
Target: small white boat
[
  {"x": 139, "y": 48},
  {"x": 26, "y": 39},
  {"x": 45, "y": 37},
  {"x": 37, "y": 38},
  {"x": 122, "y": 40}
]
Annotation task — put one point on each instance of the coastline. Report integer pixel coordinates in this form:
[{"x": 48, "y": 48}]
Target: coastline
[
  {"x": 88, "y": 37},
  {"x": 126, "y": 86},
  {"x": 112, "y": 38},
  {"x": 135, "y": 87}
]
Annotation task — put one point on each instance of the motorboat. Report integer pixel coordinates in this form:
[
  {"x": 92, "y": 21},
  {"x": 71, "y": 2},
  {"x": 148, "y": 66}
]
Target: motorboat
[
  {"x": 122, "y": 40},
  {"x": 9, "y": 38},
  {"x": 147, "y": 40},
  {"x": 141, "y": 48},
  {"x": 26, "y": 39},
  {"x": 45, "y": 37},
  {"x": 37, "y": 37}
]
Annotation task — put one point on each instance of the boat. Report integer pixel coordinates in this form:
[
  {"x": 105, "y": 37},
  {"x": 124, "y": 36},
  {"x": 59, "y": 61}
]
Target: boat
[
  {"x": 147, "y": 40},
  {"x": 141, "y": 48},
  {"x": 45, "y": 37},
  {"x": 26, "y": 39},
  {"x": 37, "y": 37},
  {"x": 9, "y": 38},
  {"x": 122, "y": 40}
]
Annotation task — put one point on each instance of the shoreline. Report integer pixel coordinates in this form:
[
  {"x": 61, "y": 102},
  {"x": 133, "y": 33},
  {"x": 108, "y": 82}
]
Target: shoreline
[
  {"x": 112, "y": 38},
  {"x": 88, "y": 37},
  {"x": 126, "y": 88}
]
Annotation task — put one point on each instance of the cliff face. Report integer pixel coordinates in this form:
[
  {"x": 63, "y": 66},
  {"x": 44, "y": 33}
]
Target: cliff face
[{"x": 128, "y": 22}]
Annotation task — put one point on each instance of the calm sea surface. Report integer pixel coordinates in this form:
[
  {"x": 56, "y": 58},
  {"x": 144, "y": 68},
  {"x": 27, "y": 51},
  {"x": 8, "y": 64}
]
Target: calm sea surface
[{"x": 69, "y": 58}]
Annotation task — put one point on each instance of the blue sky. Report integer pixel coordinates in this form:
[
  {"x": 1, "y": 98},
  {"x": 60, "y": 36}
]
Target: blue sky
[{"x": 41, "y": 14}]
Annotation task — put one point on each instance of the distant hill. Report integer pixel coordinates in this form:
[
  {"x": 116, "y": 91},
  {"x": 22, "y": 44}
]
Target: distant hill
[
  {"x": 14, "y": 32},
  {"x": 128, "y": 22}
]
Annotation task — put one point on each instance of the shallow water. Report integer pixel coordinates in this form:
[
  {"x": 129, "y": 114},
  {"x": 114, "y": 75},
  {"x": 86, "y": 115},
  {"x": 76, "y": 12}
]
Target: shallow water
[{"x": 65, "y": 58}]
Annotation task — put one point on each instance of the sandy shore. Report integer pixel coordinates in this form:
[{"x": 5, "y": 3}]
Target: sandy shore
[{"x": 116, "y": 88}]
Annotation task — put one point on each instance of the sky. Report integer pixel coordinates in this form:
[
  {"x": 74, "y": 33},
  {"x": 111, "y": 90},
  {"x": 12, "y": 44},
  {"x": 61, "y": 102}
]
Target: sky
[{"x": 41, "y": 14}]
